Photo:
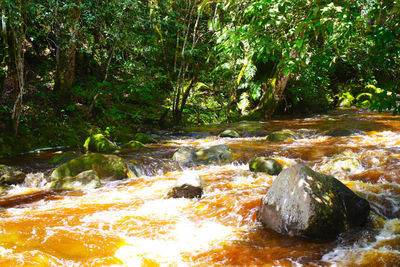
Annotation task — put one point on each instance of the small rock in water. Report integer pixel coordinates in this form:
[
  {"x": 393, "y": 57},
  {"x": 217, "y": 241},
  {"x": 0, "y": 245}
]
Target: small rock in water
[
  {"x": 263, "y": 164},
  {"x": 229, "y": 133},
  {"x": 189, "y": 185},
  {"x": 305, "y": 203},
  {"x": 206, "y": 155},
  {"x": 281, "y": 136},
  {"x": 214, "y": 154}
]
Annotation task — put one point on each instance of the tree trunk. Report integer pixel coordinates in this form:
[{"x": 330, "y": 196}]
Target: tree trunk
[
  {"x": 65, "y": 72},
  {"x": 273, "y": 92},
  {"x": 4, "y": 35},
  {"x": 19, "y": 52}
]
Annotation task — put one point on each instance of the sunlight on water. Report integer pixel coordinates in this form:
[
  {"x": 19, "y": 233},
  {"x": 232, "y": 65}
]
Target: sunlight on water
[{"x": 186, "y": 237}]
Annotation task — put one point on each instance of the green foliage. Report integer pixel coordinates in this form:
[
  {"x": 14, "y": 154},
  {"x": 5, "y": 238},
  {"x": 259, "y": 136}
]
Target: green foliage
[{"x": 134, "y": 57}]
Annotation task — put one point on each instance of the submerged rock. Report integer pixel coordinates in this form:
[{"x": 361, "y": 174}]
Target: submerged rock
[
  {"x": 263, "y": 164},
  {"x": 342, "y": 132},
  {"x": 347, "y": 165},
  {"x": 189, "y": 185},
  {"x": 10, "y": 175},
  {"x": 305, "y": 203},
  {"x": 185, "y": 155},
  {"x": 99, "y": 143},
  {"x": 133, "y": 144},
  {"x": 229, "y": 133},
  {"x": 144, "y": 138},
  {"x": 281, "y": 136},
  {"x": 109, "y": 167},
  {"x": 63, "y": 157},
  {"x": 206, "y": 155}
]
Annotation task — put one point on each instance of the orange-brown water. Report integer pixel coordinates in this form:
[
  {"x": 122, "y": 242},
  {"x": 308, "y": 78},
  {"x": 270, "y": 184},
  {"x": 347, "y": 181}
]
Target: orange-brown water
[{"x": 132, "y": 223}]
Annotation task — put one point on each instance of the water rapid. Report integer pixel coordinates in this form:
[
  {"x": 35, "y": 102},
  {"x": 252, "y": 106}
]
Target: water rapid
[{"x": 132, "y": 222}]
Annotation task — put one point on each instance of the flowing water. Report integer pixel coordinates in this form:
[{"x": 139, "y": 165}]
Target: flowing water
[{"x": 132, "y": 223}]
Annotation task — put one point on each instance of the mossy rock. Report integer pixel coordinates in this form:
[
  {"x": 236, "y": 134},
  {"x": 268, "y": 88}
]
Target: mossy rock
[
  {"x": 9, "y": 175},
  {"x": 99, "y": 143},
  {"x": 107, "y": 167},
  {"x": 229, "y": 133},
  {"x": 280, "y": 136},
  {"x": 263, "y": 164},
  {"x": 133, "y": 144},
  {"x": 144, "y": 138},
  {"x": 63, "y": 157},
  {"x": 214, "y": 154},
  {"x": 84, "y": 180}
]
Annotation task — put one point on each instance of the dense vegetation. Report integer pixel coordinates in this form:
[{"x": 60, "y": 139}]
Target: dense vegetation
[{"x": 70, "y": 68}]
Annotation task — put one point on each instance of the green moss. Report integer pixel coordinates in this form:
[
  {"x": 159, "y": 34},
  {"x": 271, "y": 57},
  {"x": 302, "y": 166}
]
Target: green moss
[
  {"x": 133, "y": 144},
  {"x": 144, "y": 138},
  {"x": 99, "y": 143},
  {"x": 262, "y": 164},
  {"x": 106, "y": 167},
  {"x": 281, "y": 136}
]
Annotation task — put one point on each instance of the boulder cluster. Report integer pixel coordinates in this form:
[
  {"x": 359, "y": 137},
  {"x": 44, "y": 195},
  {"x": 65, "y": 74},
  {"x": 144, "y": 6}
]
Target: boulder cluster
[{"x": 300, "y": 202}]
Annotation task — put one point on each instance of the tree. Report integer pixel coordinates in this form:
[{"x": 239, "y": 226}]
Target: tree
[
  {"x": 288, "y": 38},
  {"x": 67, "y": 34}
]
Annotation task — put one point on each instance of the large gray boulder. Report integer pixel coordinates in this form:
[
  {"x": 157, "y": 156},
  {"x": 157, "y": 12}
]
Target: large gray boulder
[
  {"x": 189, "y": 185},
  {"x": 305, "y": 203}
]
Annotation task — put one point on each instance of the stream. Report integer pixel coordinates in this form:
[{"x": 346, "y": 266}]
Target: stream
[{"x": 132, "y": 223}]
